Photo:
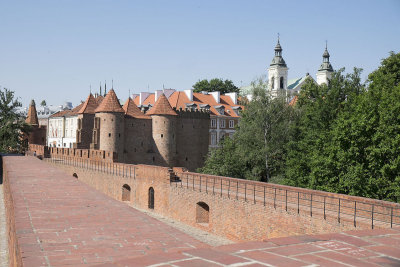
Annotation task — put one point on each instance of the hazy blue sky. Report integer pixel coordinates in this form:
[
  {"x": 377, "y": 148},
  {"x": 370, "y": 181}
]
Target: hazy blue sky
[{"x": 54, "y": 50}]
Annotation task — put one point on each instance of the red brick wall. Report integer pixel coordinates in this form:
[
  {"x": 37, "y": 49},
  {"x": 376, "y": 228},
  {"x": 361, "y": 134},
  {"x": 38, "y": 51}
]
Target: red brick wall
[{"x": 237, "y": 219}]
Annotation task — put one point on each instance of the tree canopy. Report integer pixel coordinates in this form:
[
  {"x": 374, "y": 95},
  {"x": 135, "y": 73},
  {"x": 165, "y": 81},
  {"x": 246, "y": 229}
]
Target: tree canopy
[
  {"x": 343, "y": 137},
  {"x": 215, "y": 84},
  {"x": 43, "y": 103},
  {"x": 12, "y": 124}
]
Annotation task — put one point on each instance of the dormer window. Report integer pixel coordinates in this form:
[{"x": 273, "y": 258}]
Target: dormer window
[
  {"x": 191, "y": 106},
  {"x": 220, "y": 109},
  {"x": 205, "y": 106},
  {"x": 237, "y": 110}
]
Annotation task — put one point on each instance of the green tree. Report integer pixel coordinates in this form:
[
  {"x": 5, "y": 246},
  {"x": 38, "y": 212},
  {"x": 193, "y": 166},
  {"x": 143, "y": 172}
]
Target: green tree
[
  {"x": 257, "y": 150},
  {"x": 12, "y": 124},
  {"x": 43, "y": 103},
  {"x": 215, "y": 84}
]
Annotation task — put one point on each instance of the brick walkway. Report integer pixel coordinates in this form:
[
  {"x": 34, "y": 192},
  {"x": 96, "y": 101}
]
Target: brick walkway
[{"x": 61, "y": 221}]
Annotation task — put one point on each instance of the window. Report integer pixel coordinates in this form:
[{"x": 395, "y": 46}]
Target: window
[
  {"x": 281, "y": 83},
  {"x": 213, "y": 139},
  {"x": 231, "y": 123},
  {"x": 213, "y": 123},
  {"x": 273, "y": 82},
  {"x": 222, "y": 123}
]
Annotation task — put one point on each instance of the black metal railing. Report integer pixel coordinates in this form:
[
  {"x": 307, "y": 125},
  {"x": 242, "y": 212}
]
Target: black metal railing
[{"x": 315, "y": 203}]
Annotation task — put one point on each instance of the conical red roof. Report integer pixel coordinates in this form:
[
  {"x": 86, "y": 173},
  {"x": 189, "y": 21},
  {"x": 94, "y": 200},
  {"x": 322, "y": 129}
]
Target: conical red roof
[
  {"x": 162, "y": 107},
  {"x": 132, "y": 110},
  {"x": 110, "y": 103},
  {"x": 89, "y": 105},
  {"x": 32, "y": 118}
]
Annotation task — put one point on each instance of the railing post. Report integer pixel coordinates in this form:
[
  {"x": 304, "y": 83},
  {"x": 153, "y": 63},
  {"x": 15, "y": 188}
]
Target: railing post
[
  {"x": 237, "y": 190},
  {"x": 245, "y": 192},
  {"x": 298, "y": 202},
  {"x": 324, "y": 207},
  {"x": 339, "y": 212},
  {"x": 391, "y": 217},
  {"x": 264, "y": 195},
  {"x": 355, "y": 212},
  {"x": 286, "y": 200},
  {"x": 372, "y": 216},
  {"x": 229, "y": 188},
  {"x": 311, "y": 206},
  {"x": 221, "y": 186},
  {"x": 200, "y": 183},
  {"x": 254, "y": 194},
  {"x": 275, "y": 198}
]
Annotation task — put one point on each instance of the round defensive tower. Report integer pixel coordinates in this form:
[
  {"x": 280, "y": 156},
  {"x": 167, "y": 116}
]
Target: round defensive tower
[
  {"x": 109, "y": 125},
  {"x": 164, "y": 131}
]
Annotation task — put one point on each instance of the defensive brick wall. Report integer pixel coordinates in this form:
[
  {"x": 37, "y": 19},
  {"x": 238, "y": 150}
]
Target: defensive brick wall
[{"x": 237, "y": 209}]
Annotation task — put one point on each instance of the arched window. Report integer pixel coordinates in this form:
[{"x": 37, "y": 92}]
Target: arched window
[
  {"x": 202, "y": 212},
  {"x": 126, "y": 193},
  {"x": 151, "y": 198},
  {"x": 272, "y": 82},
  {"x": 281, "y": 83}
]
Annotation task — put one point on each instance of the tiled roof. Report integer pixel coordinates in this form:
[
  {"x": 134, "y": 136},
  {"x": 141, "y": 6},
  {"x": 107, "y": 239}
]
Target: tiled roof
[
  {"x": 32, "y": 118},
  {"x": 132, "y": 110},
  {"x": 179, "y": 99},
  {"x": 76, "y": 109},
  {"x": 110, "y": 103},
  {"x": 162, "y": 107},
  {"x": 89, "y": 105},
  {"x": 61, "y": 113},
  {"x": 99, "y": 99},
  {"x": 293, "y": 101}
]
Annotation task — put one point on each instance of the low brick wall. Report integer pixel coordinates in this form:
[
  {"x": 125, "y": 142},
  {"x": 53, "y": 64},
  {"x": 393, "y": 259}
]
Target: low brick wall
[
  {"x": 240, "y": 215},
  {"x": 14, "y": 250}
]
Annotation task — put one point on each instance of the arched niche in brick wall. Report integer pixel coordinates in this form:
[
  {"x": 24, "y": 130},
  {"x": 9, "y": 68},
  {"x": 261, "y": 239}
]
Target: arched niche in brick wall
[
  {"x": 126, "y": 193},
  {"x": 151, "y": 198},
  {"x": 202, "y": 213}
]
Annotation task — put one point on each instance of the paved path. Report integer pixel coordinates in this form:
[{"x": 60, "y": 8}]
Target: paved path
[
  {"x": 62, "y": 221},
  {"x": 3, "y": 235}
]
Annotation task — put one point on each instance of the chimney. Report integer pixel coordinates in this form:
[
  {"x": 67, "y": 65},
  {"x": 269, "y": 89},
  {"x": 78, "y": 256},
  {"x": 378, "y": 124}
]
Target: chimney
[
  {"x": 233, "y": 96},
  {"x": 143, "y": 96},
  {"x": 216, "y": 96},
  {"x": 158, "y": 93},
  {"x": 189, "y": 94}
]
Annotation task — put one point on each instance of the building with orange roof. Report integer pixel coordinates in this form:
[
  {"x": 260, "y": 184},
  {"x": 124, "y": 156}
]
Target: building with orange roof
[{"x": 224, "y": 109}]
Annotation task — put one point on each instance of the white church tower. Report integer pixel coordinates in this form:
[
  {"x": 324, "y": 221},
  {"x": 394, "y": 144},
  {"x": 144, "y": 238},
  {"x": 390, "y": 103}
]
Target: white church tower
[
  {"x": 277, "y": 73},
  {"x": 324, "y": 73}
]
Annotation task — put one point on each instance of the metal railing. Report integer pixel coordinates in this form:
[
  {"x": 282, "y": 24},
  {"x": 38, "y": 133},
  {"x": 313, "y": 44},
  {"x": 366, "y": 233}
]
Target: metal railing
[
  {"x": 315, "y": 203},
  {"x": 118, "y": 169}
]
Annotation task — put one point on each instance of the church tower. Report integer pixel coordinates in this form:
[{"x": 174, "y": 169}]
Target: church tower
[
  {"x": 325, "y": 71},
  {"x": 277, "y": 73}
]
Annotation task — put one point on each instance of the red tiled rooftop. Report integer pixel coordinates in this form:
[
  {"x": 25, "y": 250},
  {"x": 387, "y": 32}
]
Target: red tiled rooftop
[
  {"x": 110, "y": 103},
  {"x": 89, "y": 105},
  {"x": 162, "y": 107},
  {"x": 132, "y": 110},
  {"x": 32, "y": 118}
]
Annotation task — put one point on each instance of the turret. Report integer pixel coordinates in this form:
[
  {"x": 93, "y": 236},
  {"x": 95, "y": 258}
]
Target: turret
[
  {"x": 32, "y": 118},
  {"x": 277, "y": 73},
  {"x": 163, "y": 131},
  {"x": 85, "y": 123},
  {"x": 325, "y": 71},
  {"x": 108, "y": 131}
]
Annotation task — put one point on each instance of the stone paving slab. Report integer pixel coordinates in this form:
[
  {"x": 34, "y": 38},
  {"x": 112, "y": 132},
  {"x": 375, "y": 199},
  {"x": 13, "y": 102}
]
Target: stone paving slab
[
  {"x": 338, "y": 249},
  {"x": 62, "y": 221}
]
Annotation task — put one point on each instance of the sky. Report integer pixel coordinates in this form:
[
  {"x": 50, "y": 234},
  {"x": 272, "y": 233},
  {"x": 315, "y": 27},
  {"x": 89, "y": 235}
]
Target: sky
[{"x": 56, "y": 50}]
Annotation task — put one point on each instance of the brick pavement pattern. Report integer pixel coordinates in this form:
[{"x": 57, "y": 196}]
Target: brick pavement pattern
[{"x": 62, "y": 222}]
